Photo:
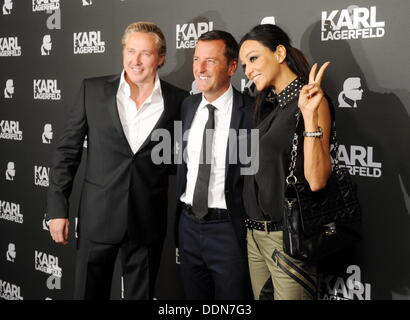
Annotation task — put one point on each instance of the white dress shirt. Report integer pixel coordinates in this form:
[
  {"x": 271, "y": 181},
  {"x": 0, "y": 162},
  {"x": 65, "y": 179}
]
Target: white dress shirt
[
  {"x": 138, "y": 123},
  {"x": 223, "y": 112}
]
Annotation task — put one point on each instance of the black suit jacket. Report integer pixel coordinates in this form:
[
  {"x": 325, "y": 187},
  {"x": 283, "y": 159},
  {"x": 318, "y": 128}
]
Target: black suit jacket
[
  {"x": 241, "y": 119},
  {"x": 121, "y": 191}
]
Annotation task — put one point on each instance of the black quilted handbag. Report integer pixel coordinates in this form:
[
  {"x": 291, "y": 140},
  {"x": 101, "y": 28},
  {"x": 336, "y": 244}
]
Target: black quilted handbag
[{"x": 317, "y": 224}]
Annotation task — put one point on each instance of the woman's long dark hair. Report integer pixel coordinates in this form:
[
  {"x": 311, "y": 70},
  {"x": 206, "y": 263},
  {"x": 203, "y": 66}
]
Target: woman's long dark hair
[{"x": 271, "y": 36}]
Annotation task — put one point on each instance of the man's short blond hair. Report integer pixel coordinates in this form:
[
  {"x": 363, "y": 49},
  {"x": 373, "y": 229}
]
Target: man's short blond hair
[{"x": 147, "y": 27}]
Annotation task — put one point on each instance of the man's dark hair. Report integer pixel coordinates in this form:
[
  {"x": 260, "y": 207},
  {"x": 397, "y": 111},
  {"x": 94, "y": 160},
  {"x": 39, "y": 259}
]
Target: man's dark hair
[{"x": 231, "y": 45}]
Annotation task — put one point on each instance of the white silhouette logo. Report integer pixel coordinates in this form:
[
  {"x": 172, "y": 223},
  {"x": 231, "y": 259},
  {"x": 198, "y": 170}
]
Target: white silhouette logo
[
  {"x": 46, "y": 45},
  {"x": 45, "y": 225},
  {"x": 11, "y": 171},
  {"x": 268, "y": 20},
  {"x": 47, "y": 135},
  {"x": 8, "y": 5},
  {"x": 11, "y": 252},
  {"x": 87, "y": 2},
  {"x": 9, "y": 90},
  {"x": 352, "y": 92}
]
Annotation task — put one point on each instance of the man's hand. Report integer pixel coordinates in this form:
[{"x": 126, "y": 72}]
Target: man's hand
[{"x": 59, "y": 230}]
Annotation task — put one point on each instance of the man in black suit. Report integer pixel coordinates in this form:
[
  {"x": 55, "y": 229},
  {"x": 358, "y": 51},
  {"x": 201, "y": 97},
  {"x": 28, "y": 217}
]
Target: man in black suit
[
  {"x": 123, "y": 204},
  {"x": 210, "y": 215}
]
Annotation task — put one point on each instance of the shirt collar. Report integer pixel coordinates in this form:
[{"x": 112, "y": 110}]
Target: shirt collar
[
  {"x": 124, "y": 86},
  {"x": 221, "y": 104},
  {"x": 126, "y": 89},
  {"x": 288, "y": 94}
]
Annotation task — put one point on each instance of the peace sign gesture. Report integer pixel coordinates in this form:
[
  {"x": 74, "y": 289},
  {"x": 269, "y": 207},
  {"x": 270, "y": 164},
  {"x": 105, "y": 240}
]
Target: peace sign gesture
[{"x": 311, "y": 94}]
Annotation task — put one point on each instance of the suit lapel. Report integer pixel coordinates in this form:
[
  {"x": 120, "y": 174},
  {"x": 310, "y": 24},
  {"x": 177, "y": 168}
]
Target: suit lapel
[
  {"x": 236, "y": 118},
  {"x": 236, "y": 110},
  {"x": 189, "y": 117},
  {"x": 111, "y": 89}
]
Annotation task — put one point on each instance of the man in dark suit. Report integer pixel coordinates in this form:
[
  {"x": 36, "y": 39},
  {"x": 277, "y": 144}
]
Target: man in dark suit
[
  {"x": 210, "y": 215},
  {"x": 123, "y": 203}
]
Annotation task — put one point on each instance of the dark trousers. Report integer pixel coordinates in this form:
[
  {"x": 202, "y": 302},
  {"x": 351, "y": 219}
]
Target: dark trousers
[
  {"x": 213, "y": 265},
  {"x": 95, "y": 266}
]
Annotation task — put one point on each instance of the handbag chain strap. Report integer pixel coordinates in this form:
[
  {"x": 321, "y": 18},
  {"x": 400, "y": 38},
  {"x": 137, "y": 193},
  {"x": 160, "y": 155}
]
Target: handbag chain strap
[{"x": 291, "y": 178}]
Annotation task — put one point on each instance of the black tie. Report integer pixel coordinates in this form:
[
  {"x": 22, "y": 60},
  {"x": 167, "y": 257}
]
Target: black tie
[{"x": 200, "y": 200}]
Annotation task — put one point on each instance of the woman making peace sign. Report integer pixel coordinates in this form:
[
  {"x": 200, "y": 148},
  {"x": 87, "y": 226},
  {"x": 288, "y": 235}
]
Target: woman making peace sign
[{"x": 286, "y": 88}]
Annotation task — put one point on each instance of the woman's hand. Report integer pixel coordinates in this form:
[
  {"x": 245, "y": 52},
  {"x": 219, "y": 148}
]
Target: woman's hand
[{"x": 311, "y": 94}]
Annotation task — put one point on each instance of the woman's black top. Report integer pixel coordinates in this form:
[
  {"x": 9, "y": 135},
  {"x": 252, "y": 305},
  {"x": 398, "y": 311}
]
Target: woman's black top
[{"x": 264, "y": 192}]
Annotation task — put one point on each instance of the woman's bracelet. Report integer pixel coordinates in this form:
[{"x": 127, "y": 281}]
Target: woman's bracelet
[{"x": 314, "y": 134}]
